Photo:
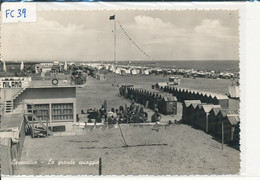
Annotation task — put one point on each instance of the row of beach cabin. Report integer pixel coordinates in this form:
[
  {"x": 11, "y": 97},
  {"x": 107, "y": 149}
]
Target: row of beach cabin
[
  {"x": 164, "y": 102},
  {"x": 210, "y": 118},
  {"x": 183, "y": 94}
]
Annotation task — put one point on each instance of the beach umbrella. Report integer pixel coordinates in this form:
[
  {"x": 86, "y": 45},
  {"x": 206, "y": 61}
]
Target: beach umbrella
[
  {"x": 22, "y": 66},
  {"x": 4, "y": 66},
  {"x": 65, "y": 66}
]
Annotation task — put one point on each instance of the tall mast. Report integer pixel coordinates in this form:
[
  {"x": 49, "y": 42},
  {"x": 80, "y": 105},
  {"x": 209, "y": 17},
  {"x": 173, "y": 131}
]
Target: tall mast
[{"x": 115, "y": 49}]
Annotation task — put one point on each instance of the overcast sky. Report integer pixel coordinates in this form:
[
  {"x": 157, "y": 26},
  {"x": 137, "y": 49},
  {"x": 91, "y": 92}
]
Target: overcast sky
[{"x": 88, "y": 36}]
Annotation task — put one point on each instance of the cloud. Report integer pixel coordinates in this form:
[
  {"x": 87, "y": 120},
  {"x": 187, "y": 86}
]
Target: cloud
[
  {"x": 155, "y": 30},
  {"x": 212, "y": 27},
  {"x": 206, "y": 40},
  {"x": 161, "y": 38},
  {"x": 49, "y": 39}
]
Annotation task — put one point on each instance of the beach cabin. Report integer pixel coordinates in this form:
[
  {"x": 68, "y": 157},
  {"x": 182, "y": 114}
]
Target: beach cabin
[
  {"x": 123, "y": 90},
  {"x": 213, "y": 120},
  {"x": 167, "y": 89},
  {"x": 127, "y": 71},
  {"x": 234, "y": 92},
  {"x": 221, "y": 100},
  {"x": 118, "y": 71},
  {"x": 134, "y": 72},
  {"x": 192, "y": 111},
  {"x": 198, "y": 114},
  {"x": 186, "y": 113},
  {"x": 203, "y": 119},
  {"x": 221, "y": 115},
  {"x": 193, "y": 95},
  {"x": 160, "y": 85},
  {"x": 101, "y": 77},
  {"x": 179, "y": 94},
  {"x": 150, "y": 100},
  {"x": 156, "y": 99},
  {"x": 175, "y": 81},
  {"x": 129, "y": 93},
  {"x": 146, "y": 72},
  {"x": 146, "y": 98},
  {"x": 141, "y": 96},
  {"x": 172, "y": 91},
  {"x": 167, "y": 105},
  {"x": 230, "y": 122},
  {"x": 183, "y": 96},
  {"x": 205, "y": 96}
]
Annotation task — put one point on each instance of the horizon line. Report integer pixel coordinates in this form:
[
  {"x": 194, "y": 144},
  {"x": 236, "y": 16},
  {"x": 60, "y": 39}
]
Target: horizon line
[{"x": 38, "y": 61}]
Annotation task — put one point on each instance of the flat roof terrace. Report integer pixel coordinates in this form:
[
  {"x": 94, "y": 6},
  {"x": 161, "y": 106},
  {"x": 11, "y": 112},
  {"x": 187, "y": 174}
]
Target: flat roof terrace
[{"x": 48, "y": 84}]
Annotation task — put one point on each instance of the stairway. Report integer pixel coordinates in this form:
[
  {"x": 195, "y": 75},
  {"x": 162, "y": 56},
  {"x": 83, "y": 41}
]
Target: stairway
[
  {"x": 16, "y": 96},
  {"x": 18, "y": 93}
]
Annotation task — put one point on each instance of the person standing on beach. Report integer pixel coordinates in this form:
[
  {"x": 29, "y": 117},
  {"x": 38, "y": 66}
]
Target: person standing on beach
[
  {"x": 132, "y": 106},
  {"x": 156, "y": 116}
]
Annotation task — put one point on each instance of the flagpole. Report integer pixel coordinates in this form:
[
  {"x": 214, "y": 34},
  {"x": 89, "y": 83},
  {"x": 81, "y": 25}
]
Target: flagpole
[{"x": 115, "y": 49}]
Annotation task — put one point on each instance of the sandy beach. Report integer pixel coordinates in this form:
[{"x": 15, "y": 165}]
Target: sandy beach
[
  {"x": 178, "y": 149},
  {"x": 175, "y": 149}
]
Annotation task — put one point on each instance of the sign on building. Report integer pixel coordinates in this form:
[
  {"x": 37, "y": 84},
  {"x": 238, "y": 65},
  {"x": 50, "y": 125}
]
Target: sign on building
[{"x": 14, "y": 82}]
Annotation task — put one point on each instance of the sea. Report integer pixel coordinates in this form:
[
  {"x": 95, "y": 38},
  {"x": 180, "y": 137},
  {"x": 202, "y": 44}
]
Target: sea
[
  {"x": 209, "y": 65},
  {"x": 219, "y": 65}
]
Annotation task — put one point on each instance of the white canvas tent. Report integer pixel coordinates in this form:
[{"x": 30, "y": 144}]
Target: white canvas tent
[{"x": 233, "y": 91}]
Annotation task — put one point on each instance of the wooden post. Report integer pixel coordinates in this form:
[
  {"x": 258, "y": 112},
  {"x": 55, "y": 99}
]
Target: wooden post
[
  {"x": 32, "y": 126},
  {"x": 50, "y": 114},
  {"x": 232, "y": 133},
  {"x": 126, "y": 113},
  {"x": 207, "y": 122},
  {"x": 32, "y": 121},
  {"x": 122, "y": 134},
  {"x": 100, "y": 167},
  {"x": 222, "y": 135},
  {"x": 47, "y": 127}
]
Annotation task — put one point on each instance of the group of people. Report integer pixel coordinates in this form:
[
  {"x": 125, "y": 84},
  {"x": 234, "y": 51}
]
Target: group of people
[
  {"x": 136, "y": 113},
  {"x": 132, "y": 114}
]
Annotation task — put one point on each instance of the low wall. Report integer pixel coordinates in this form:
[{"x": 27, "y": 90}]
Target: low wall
[{"x": 11, "y": 149}]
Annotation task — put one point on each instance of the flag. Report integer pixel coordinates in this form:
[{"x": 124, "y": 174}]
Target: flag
[{"x": 112, "y": 17}]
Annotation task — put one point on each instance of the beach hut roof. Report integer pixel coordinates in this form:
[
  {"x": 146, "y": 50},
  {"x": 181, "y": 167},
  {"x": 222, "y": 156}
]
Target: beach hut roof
[
  {"x": 194, "y": 105},
  {"x": 207, "y": 108},
  {"x": 187, "y": 103},
  {"x": 199, "y": 106},
  {"x": 225, "y": 112},
  {"x": 234, "y": 91},
  {"x": 189, "y": 90},
  {"x": 193, "y": 91},
  {"x": 215, "y": 110},
  {"x": 161, "y": 84},
  {"x": 221, "y": 96},
  {"x": 232, "y": 119},
  {"x": 198, "y": 92},
  {"x": 170, "y": 98}
]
